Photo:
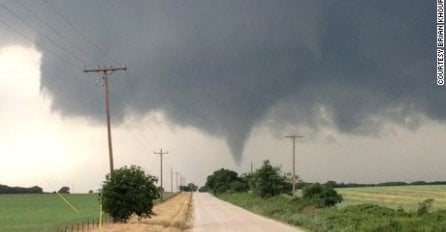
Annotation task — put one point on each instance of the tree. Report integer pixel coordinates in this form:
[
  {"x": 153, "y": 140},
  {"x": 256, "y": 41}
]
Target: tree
[
  {"x": 269, "y": 181},
  {"x": 331, "y": 184},
  {"x": 321, "y": 195},
  {"x": 191, "y": 187},
  {"x": 128, "y": 191},
  {"x": 225, "y": 180},
  {"x": 203, "y": 189},
  {"x": 7, "y": 189},
  {"x": 64, "y": 189}
]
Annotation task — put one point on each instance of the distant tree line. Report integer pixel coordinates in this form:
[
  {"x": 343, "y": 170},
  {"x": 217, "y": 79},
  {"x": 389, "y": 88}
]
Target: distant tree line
[
  {"x": 4, "y": 189},
  {"x": 333, "y": 184},
  {"x": 191, "y": 187}
]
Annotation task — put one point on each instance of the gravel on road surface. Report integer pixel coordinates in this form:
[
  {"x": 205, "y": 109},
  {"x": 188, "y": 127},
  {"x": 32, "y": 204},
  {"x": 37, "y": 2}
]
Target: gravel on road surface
[{"x": 211, "y": 214}]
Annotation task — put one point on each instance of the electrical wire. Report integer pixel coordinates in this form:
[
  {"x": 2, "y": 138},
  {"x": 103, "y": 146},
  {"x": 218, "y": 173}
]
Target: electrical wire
[
  {"x": 46, "y": 37},
  {"x": 55, "y": 31},
  {"x": 61, "y": 16},
  {"x": 63, "y": 59}
]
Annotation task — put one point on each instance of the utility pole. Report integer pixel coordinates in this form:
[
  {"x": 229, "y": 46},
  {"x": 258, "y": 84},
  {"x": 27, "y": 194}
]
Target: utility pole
[
  {"x": 106, "y": 72},
  {"x": 176, "y": 180},
  {"x": 161, "y": 153},
  {"x": 251, "y": 167},
  {"x": 294, "y": 137},
  {"x": 171, "y": 180}
]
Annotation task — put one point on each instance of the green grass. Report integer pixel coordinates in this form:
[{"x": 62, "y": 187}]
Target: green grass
[
  {"x": 406, "y": 197},
  {"x": 44, "y": 212},
  {"x": 355, "y": 217}
]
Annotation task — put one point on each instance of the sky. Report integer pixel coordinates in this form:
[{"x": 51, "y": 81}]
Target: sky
[{"x": 218, "y": 85}]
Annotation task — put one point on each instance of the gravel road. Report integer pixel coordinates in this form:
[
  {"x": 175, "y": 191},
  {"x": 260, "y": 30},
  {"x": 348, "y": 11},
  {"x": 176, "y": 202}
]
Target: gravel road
[{"x": 213, "y": 214}]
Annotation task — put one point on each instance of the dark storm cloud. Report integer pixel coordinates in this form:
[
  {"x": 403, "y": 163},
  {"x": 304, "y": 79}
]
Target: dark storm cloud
[{"x": 222, "y": 66}]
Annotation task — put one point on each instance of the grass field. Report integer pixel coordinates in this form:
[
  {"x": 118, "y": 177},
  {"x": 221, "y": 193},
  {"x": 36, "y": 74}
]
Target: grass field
[
  {"x": 45, "y": 212},
  {"x": 354, "y": 218},
  {"x": 406, "y": 197}
]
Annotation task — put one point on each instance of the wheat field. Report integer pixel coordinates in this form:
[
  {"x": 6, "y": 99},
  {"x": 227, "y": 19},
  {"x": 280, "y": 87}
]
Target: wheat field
[{"x": 406, "y": 197}]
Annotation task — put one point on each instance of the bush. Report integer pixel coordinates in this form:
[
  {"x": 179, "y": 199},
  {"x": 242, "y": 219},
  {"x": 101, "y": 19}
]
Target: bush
[
  {"x": 425, "y": 206},
  {"x": 203, "y": 189},
  {"x": 191, "y": 187},
  {"x": 321, "y": 195},
  {"x": 64, "y": 189},
  {"x": 224, "y": 180},
  {"x": 268, "y": 181},
  {"x": 129, "y": 191}
]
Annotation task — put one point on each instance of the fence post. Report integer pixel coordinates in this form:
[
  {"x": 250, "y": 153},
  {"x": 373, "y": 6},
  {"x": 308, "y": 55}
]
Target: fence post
[{"x": 72, "y": 227}]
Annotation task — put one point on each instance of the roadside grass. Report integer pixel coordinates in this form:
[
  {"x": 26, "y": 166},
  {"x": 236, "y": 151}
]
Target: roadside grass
[
  {"x": 46, "y": 212},
  {"x": 406, "y": 197},
  {"x": 353, "y": 218}
]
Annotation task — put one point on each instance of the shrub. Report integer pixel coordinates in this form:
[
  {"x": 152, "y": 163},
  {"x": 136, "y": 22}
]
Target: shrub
[
  {"x": 191, "y": 187},
  {"x": 203, "y": 189},
  {"x": 128, "y": 191},
  {"x": 268, "y": 181},
  {"x": 321, "y": 195},
  {"x": 224, "y": 180},
  {"x": 64, "y": 189},
  {"x": 425, "y": 206}
]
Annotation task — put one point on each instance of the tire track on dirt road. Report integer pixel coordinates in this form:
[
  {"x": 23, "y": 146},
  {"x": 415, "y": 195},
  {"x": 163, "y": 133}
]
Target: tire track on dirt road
[{"x": 211, "y": 214}]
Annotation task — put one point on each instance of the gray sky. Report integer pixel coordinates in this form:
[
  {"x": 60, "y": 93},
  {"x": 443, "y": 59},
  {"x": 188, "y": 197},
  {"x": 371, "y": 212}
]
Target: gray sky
[{"x": 218, "y": 84}]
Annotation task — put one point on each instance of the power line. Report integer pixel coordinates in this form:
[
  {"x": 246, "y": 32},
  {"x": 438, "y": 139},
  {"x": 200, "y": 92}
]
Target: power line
[
  {"x": 33, "y": 42},
  {"x": 55, "y": 31},
  {"x": 78, "y": 31},
  {"x": 46, "y": 37}
]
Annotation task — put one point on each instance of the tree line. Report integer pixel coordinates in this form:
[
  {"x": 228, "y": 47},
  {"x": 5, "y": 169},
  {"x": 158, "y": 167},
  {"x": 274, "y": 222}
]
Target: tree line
[
  {"x": 4, "y": 189},
  {"x": 269, "y": 181},
  {"x": 333, "y": 184}
]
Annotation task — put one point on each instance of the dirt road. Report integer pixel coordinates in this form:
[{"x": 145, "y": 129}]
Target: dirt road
[
  {"x": 170, "y": 216},
  {"x": 212, "y": 214}
]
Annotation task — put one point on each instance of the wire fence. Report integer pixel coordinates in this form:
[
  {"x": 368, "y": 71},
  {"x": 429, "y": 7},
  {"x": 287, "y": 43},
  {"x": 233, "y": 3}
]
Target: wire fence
[
  {"x": 93, "y": 223},
  {"x": 85, "y": 225}
]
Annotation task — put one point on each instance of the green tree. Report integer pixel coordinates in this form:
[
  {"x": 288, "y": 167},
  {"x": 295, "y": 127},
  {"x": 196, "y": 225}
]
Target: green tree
[
  {"x": 225, "y": 180},
  {"x": 268, "y": 181},
  {"x": 203, "y": 189},
  {"x": 191, "y": 187},
  {"x": 321, "y": 195},
  {"x": 129, "y": 191},
  {"x": 64, "y": 189}
]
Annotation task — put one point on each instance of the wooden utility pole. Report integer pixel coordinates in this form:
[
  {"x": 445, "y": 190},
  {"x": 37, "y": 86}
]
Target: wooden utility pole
[
  {"x": 106, "y": 72},
  {"x": 176, "y": 180},
  {"x": 294, "y": 137},
  {"x": 251, "y": 167},
  {"x": 171, "y": 180},
  {"x": 161, "y": 153}
]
